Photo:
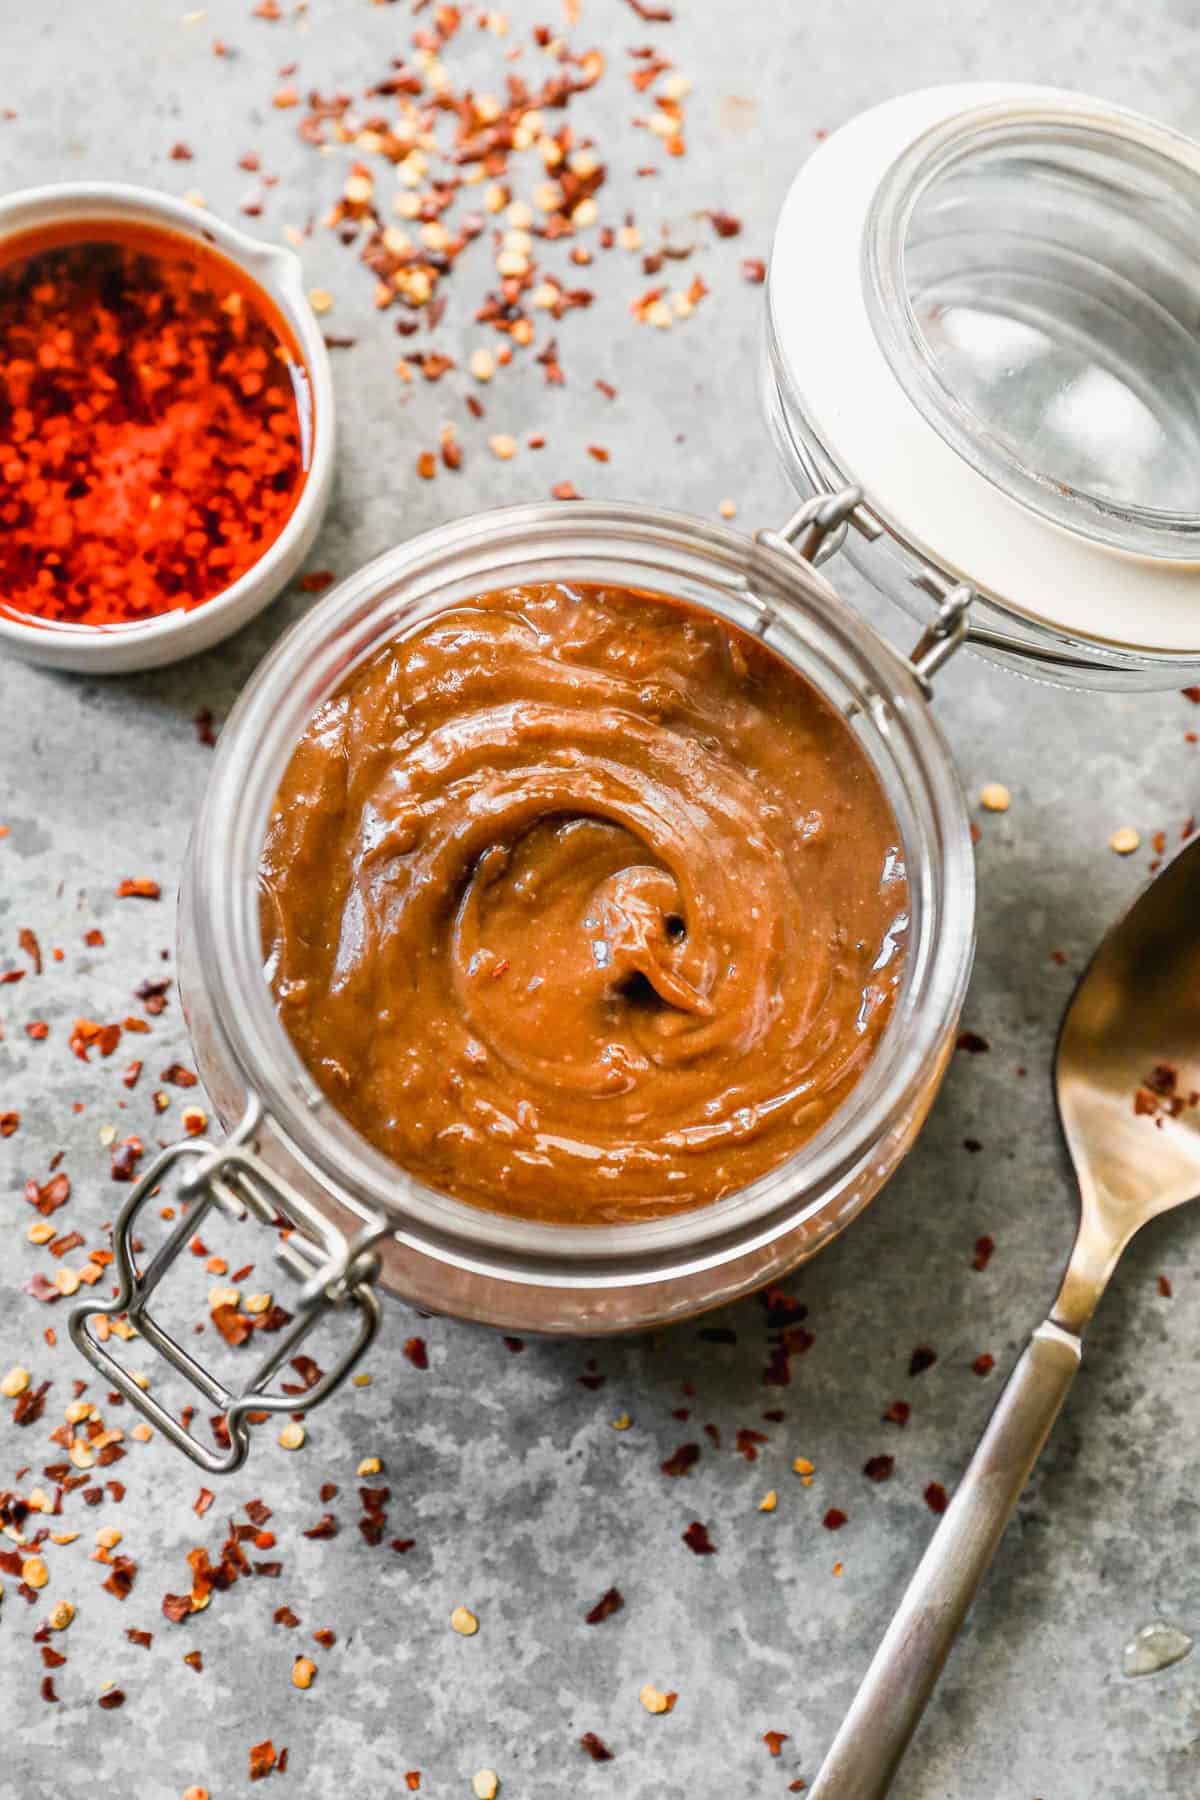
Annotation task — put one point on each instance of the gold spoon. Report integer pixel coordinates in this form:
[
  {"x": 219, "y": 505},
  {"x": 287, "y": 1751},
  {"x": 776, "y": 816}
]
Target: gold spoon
[{"x": 1127, "y": 1075}]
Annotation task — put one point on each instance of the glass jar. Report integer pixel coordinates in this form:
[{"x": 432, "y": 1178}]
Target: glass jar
[{"x": 361, "y": 1214}]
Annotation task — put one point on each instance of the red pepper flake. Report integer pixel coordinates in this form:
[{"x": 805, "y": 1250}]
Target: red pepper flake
[
  {"x": 281, "y": 1765},
  {"x": 427, "y": 465},
  {"x": 328, "y": 1492},
  {"x": 38, "y": 1288},
  {"x": 598, "y": 453},
  {"x": 325, "y": 1527},
  {"x": 564, "y": 490},
  {"x": 33, "y": 950},
  {"x": 179, "y": 1076},
  {"x": 984, "y": 1363},
  {"x": 415, "y": 1351},
  {"x": 698, "y": 1541},
  {"x": 984, "y": 1247},
  {"x": 725, "y": 224},
  {"x": 262, "y": 1756},
  {"x": 683, "y": 1460},
  {"x": 233, "y": 1326},
  {"x": 48, "y": 1692},
  {"x": 125, "y": 1158},
  {"x": 879, "y": 1468},
  {"x": 514, "y": 1344},
  {"x": 130, "y": 1076},
  {"x": 203, "y": 1501},
  {"x": 48, "y": 1199},
  {"x": 137, "y": 1636},
  {"x": 180, "y": 153},
  {"x": 936, "y": 1498},
  {"x": 120, "y": 1581},
  {"x": 139, "y": 887},
  {"x": 316, "y": 581},
  {"x": 203, "y": 725},
  {"x": 115, "y": 1697},
  {"x": 610, "y": 1602},
  {"x": 176, "y": 1607},
  {"x": 972, "y": 1043},
  {"x": 922, "y": 1358},
  {"x": 31, "y": 1405},
  {"x": 775, "y": 1740},
  {"x": 834, "y": 1519},
  {"x": 11, "y": 975},
  {"x": 607, "y": 389},
  {"x": 651, "y": 15},
  {"x": 94, "y": 938},
  {"x": 285, "y": 1616},
  {"x": 596, "y": 1748},
  {"x": 8, "y": 1123},
  {"x": 326, "y": 1638},
  {"x": 754, "y": 270},
  {"x": 38, "y": 1030},
  {"x": 1164, "y": 1287},
  {"x": 412, "y": 1780},
  {"x": 194, "y": 1660},
  {"x": 1192, "y": 694},
  {"x": 153, "y": 995}
]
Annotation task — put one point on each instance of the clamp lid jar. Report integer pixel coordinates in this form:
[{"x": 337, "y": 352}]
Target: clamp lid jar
[{"x": 999, "y": 344}]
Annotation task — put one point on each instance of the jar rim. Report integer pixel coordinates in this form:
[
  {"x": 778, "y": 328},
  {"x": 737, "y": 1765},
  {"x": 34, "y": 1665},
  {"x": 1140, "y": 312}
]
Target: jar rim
[{"x": 747, "y": 582}]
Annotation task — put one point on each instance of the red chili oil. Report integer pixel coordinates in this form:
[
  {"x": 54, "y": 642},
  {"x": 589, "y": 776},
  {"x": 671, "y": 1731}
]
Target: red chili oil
[{"x": 155, "y": 423}]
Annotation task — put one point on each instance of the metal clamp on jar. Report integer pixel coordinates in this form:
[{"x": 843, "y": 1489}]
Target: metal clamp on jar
[{"x": 980, "y": 384}]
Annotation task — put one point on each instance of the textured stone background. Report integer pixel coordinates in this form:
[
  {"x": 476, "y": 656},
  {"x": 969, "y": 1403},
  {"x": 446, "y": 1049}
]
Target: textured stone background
[{"x": 525, "y": 1504}]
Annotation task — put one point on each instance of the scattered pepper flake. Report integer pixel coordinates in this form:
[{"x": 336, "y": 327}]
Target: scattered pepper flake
[
  {"x": 610, "y": 1602},
  {"x": 936, "y": 1498},
  {"x": 262, "y": 1759},
  {"x": 698, "y": 1541},
  {"x": 464, "y": 1622},
  {"x": 655, "y": 1701}
]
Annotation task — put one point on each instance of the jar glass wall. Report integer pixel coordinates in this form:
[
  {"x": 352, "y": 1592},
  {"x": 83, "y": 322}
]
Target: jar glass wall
[{"x": 449, "y": 1256}]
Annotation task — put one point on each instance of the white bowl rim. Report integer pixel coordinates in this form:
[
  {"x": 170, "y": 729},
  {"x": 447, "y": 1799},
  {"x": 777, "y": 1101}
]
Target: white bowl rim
[{"x": 277, "y": 270}]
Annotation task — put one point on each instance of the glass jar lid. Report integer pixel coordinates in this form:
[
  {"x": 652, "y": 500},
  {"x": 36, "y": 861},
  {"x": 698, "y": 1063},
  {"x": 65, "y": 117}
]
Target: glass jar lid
[{"x": 982, "y": 309}]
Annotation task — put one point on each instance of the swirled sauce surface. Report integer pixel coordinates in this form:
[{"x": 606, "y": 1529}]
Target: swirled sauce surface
[{"x": 582, "y": 905}]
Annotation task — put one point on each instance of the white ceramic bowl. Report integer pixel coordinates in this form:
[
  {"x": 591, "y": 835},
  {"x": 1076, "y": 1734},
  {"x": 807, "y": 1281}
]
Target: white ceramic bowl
[{"x": 115, "y": 649}]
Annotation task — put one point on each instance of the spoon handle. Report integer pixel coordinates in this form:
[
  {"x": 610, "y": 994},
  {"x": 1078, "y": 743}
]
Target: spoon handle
[{"x": 896, "y": 1688}]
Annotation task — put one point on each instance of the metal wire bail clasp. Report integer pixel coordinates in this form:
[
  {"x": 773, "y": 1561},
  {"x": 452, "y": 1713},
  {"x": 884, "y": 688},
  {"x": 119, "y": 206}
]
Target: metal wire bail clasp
[
  {"x": 337, "y": 1273},
  {"x": 817, "y": 530}
]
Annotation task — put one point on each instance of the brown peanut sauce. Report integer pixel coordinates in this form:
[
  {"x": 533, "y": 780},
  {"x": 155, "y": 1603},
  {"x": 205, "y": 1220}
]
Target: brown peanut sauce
[{"x": 582, "y": 905}]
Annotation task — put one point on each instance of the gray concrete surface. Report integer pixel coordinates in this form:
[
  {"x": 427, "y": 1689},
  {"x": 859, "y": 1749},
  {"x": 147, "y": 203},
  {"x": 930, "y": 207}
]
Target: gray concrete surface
[{"x": 523, "y": 1501}]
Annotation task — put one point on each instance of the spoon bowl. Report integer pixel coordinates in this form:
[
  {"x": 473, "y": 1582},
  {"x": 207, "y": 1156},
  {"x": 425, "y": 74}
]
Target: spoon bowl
[{"x": 1127, "y": 1079}]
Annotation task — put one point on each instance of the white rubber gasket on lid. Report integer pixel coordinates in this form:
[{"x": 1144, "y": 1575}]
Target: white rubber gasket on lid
[{"x": 911, "y": 478}]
